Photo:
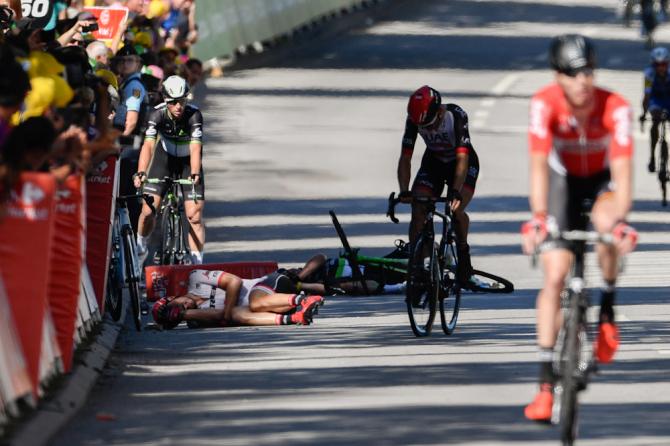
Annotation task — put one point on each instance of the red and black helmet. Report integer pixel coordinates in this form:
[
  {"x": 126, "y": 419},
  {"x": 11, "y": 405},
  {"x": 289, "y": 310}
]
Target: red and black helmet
[
  {"x": 423, "y": 106},
  {"x": 166, "y": 315}
]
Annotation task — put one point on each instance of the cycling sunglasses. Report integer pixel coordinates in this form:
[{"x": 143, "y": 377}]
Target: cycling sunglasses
[
  {"x": 587, "y": 71},
  {"x": 181, "y": 101}
]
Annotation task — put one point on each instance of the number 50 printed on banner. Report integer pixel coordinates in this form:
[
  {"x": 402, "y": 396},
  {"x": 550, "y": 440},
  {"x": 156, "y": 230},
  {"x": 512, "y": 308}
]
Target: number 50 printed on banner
[
  {"x": 38, "y": 10},
  {"x": 109, "y": 21}
]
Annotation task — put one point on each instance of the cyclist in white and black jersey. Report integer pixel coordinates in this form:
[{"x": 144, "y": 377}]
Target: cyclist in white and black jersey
[
  {"x": 449, "y": 158},
  {"x": 217, "y": 298},
  {"x": 173, "y": 145}
]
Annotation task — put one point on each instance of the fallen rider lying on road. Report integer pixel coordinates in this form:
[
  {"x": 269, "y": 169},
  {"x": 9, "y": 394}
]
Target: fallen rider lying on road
[{"x": 217, "y": 298}]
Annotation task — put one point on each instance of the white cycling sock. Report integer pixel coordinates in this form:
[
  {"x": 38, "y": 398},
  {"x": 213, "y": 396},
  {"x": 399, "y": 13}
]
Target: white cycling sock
[
  {"x": 197, "y": 257},
  {"x": 142, "y": 241}
]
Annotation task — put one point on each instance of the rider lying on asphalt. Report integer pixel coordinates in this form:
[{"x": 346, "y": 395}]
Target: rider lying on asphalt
[
  {"x": 333, "y": 276},
  {"x": 217, "y": 298}
]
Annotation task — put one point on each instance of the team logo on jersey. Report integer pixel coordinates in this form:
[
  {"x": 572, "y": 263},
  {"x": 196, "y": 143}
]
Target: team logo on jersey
[
  {"x": 197, "y": 133},
  {"x": 137, "y": 92}
]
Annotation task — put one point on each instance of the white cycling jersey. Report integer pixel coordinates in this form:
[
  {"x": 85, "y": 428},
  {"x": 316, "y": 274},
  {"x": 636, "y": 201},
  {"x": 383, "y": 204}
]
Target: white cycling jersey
[{"x": 203, "y": 283}]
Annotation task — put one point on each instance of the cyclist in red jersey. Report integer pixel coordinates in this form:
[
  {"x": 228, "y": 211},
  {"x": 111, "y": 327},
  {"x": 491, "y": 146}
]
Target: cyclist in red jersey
[
  {"x": 449, "y": 158},
  {"x": 580, "y": 160}
]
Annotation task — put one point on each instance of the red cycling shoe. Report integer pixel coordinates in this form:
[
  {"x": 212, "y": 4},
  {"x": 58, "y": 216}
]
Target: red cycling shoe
[
  {"x": 607, "y": 342},
  {"x": 307, "y": 309},
  {"x": 540, "y": 408}
]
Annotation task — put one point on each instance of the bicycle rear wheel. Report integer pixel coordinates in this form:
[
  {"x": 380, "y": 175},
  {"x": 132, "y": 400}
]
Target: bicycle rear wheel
[
  {"x": 114, "y": 294},
  {"x": 422, "y": 289},
  {"x": 570, "y": 374},
  {"x": 131, "y": 276},
  {"x": 484, "y": 282}
]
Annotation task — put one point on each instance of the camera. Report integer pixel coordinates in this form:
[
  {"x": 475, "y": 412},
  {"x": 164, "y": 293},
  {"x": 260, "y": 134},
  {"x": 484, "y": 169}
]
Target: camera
[{"x": 89, "y": 28}]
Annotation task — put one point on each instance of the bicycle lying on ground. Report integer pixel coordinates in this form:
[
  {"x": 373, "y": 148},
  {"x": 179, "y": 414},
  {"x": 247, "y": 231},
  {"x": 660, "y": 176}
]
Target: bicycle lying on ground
[
  {"x": 124, "y": 268},
  {"x": 385, "y": 270},
  {"x": 174, "y": 248},
  {"x": 576, "y": 362},
  {"x": 431, "y": 272}
]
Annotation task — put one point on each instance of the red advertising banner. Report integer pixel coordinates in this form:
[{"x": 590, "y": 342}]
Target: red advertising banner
[
  {"x": 109, "y": 21},
  {"x": 100, "y": 193},
  {"x": 172, "y": 280},
  {"x": 26, "y": 232},
  {"x": 66, "y": 259}
]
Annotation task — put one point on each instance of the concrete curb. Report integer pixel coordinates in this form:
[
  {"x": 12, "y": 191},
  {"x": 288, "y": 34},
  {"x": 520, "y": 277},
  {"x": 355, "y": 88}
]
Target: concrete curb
[{"x": 51, "y": 415}]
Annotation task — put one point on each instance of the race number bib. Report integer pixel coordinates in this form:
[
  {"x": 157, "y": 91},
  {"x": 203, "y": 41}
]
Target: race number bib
[{"x": 39, "y": 10}]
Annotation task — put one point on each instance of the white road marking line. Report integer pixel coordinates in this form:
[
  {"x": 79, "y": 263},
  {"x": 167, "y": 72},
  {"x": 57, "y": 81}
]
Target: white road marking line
[
  {"x": 290, "y": 219},
  {"x": 664, "y": 352},
  {"x": 488, "y": 102},
  {"x": 501, "y": 87},
  {"x": 481, "y": 113}
]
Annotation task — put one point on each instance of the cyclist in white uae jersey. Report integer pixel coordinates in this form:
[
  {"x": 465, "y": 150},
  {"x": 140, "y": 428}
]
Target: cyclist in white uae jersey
[
  {"x": 217, "y": 298},
  {"x": 449, "y": 158}
]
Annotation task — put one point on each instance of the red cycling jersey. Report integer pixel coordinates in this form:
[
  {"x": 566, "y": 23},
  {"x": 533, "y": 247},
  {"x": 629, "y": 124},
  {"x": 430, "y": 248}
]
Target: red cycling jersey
[{"x": 553, "y": 131}]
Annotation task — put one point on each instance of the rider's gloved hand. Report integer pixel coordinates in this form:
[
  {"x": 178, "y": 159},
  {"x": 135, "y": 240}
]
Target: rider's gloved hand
[
  {"x": 625, "y": 237},
  {"x": 454, "y": 198},
  {"x": 405, "y": 196},
  {"x": 195, "y": 178},
  {"x": 533, "y": 232},
  {"x": 642, "y": 119},
  {"x": 138, "y": 179}
]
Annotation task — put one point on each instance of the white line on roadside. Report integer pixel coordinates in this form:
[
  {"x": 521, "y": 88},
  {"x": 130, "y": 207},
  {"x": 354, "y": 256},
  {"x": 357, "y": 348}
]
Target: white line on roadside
[
  {"x": 289, "y": 219},
  {"x": 501, "y": 87},
  {"x": 664, "y": 352}
]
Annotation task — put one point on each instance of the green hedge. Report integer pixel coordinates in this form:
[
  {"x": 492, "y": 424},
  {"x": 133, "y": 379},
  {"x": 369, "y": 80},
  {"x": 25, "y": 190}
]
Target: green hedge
[{"x": 226, "y": 25}]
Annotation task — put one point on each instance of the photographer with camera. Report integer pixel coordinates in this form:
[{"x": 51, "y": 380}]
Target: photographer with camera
[{"x": 85, "y": 23}]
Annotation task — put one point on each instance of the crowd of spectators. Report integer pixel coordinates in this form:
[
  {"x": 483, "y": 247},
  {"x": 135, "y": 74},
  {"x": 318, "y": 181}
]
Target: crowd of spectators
[{"x": 62, "y": 99}]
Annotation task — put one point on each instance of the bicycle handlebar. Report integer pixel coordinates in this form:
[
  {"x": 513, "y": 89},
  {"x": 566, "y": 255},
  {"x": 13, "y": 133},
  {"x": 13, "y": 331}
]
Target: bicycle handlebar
[
  {"x": 576, "y": 236},
  {"x": 393, "y": 202},
  {"x": 170, "y": 181}
]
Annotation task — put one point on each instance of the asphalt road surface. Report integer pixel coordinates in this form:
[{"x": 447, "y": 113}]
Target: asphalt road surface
[{"x": 315, "y": 124}]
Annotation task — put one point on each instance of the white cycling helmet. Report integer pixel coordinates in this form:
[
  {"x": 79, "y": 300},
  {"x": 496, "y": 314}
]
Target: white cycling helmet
[
  {"x": 175, "y": 88},
  {"x": 660, "y": 55}
]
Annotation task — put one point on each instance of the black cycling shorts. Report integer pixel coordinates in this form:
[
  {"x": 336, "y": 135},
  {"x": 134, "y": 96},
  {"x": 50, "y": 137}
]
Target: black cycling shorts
[
  {"x": 571, "y": 199},
  {"x": 166, "y": 165},
  {"x": 276, "y": 283},
  {"x": 433, "y": 174}
]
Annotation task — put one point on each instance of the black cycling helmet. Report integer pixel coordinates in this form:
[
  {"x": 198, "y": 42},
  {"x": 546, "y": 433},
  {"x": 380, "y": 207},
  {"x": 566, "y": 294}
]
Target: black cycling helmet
[{"x": 571, "y": 53}]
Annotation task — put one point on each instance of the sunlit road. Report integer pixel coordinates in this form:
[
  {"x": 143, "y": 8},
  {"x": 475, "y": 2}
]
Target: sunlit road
[{"x": 316, "y": 125}]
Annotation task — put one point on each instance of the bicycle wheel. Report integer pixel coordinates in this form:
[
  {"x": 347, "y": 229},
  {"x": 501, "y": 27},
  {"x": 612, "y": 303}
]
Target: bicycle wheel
[
  {"x": 182, "y": 248},
  {"x": 114, "y": 294},
  {"x": 663, "y": 172},
  {"x": 167, "y": 239},
  {"x": 422, "y": 289},
  {"x": 484, "y": 282},
  {"x": 131, "y": 275},
  {"x": 450, "y": 304},
  {"x": 570, "y": 373}
]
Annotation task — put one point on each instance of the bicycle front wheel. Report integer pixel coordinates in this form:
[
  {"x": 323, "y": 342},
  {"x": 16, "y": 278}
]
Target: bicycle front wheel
[
  {"x": 114, "y": 294},
  {"x": 131, "y": 276},
  {"x": 167, "y": 239},
  {"x": 450, "y": 300},
  {"x": 570, "y": 373},
  {"x": 663, "y": 172},
  {"x": 422, "y": 288}
]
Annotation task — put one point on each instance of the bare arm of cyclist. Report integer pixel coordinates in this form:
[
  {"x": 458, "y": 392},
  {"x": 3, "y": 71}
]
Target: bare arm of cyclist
[
  {"x": 462, "y": 160},
  {"x": 404, "y": 173},
  {"x": 146, "y": 153},
  {"x": 232, "y": 285}
]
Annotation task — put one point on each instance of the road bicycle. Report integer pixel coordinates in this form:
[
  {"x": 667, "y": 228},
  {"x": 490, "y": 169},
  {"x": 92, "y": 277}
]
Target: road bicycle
[
  {"x": 662, "y": 167},
  {"x": 386, "y": 269},
  {"x": 432, "y": 278},
  {"x": 125, "y": 270},
  {"x": 174, "y": 248},
  {"x": 575, "y": 362}
]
